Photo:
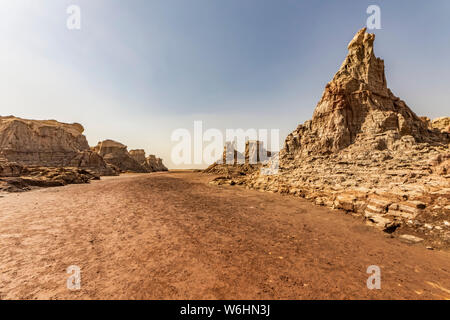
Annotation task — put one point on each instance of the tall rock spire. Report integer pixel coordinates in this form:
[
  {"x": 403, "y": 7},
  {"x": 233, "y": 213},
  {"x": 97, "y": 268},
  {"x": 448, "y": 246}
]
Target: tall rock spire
[
  {"x": 362, "y": 65},
  {"x": 356, "y": 102}
]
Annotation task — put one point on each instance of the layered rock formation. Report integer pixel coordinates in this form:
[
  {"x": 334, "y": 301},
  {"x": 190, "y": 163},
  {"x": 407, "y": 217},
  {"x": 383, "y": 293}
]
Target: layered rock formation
[
  {"x": 235, "y": 163},
  {"x": 48, "y": 143},
  {"x": 10, "y": 169},
  {"x": 255, "y": 152},
  {"x": 33, "y": 142},
  {"x": 153, "y": 164},
  {"x": 34, "y": 177},
  {"x": 150, "y": 163},
  {"x": 116, "y": 153},
  {"x": 231, "y": 155},
  {"x": 90, "y": 160},
  {"x": 366, "y": 152},
  {"x": 50, "y": 153},
  {"x": 442, "y": 124},
  {"x": 138, "y": 155}
]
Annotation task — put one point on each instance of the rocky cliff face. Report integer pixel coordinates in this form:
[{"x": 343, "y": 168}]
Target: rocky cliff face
[
  {"x": 366, "y": 152},
  {"x": 34, "y": 142},
  {"x": 154, "y": 164},
  {"x": 356, "y": 104},
  {"x": 47, "y": 143},
  {"x": 138, "y": 155},
  {"x": 442, "y": 124},
  {"x": 50, "y": 153},
  {"x": 150, "y": 163},
  {"x": 115, "y": 153}
]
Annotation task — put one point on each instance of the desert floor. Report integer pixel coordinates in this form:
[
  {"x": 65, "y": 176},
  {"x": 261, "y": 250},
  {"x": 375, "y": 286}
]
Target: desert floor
[{"x": 174, "y": 236}]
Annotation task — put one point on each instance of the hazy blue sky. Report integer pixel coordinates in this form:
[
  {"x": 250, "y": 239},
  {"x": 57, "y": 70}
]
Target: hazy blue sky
[{"x": 139, "y": 69}]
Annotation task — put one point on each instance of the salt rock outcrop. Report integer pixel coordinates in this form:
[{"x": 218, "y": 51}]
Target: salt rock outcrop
[
  {"x": 356, "y": 103},
  {"x": 44, "y": 177},
  {"x": 154, "y": 164},
  {"x": 116, "y": 153},
  {"x": 90, "y": 160},
  {"x": 47, "y": 143},
  {"x": 150, "y": 163},
  {"x": 138, "y": 155},
  {"x": 36, "y": 142},
  {"x": 235, "y": 163},
  {"x": 442, "y": 124},
  {"x": 366, "y": 152},
  {"x": 255, "y": 152},
  {"x": 10, "y": 169}
]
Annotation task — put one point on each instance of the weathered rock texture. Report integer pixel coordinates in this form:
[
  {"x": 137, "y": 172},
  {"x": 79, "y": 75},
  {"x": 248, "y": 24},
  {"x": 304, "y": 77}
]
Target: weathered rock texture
[
  {"x": 234, "y": 162},
  {"x": 150, "y": 163},
  {"x": 364, "y": 151},
  {"x": 48, "y": 143},
  {"x": 255, "y": 152},
  {"x": 48, "y": 153},
  {"x": 34, "y": 142},
  {"x": 138, "y": 155},
  {"x": 442, "y": 124},
  {"x": 35, "y": 177},
  {"x": 115, "y": 153},
  {"x": 10, "y": 169},
  {"x": 154, "y": 164}
]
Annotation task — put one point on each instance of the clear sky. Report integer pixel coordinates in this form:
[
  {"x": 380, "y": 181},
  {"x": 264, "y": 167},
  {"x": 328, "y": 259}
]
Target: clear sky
[{"x": 139, "y": 69}]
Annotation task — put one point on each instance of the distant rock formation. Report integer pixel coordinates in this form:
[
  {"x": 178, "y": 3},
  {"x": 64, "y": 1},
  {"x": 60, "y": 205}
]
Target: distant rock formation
[
  {"x": 255, "y": 152},
  {"x": 231, "y": 156},
  {"x": 35, "y": 142},
  {"x": 115, "y": 153},
  {"x": 365, "y": 151},
  {"x": 150, "y": 163},
  {"x": 48, "y": 143},
  {"x": 234, "y": 162},
  {"x": 44, "y": 153},
  {"x": 138, "y": 155},
  {"x": 154, "y": 164}
]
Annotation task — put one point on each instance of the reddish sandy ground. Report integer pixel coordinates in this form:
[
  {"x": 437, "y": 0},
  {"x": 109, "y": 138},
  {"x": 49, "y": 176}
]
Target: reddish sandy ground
[{"x": 173, "y": 236}]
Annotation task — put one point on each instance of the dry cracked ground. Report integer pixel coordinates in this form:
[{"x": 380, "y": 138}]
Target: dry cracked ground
[{"x": 175, "y": 236}]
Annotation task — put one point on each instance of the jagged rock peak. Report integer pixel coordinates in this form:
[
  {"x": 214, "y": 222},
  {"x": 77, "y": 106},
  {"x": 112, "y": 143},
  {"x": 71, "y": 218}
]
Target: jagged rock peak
[
  {"x": 356, "y": 103},
  {"x": 362, "y": 65}
]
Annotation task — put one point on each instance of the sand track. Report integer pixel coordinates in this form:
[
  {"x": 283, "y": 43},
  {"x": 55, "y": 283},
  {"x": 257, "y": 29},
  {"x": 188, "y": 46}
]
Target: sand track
[{"x": 173, "y": 236}]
